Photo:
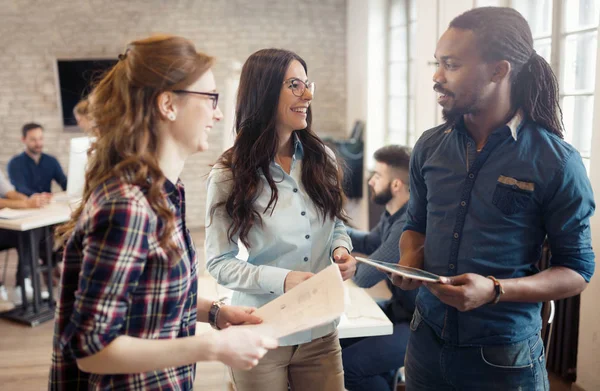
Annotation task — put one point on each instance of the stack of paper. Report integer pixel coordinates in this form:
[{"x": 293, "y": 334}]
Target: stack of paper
[
  {"x": 317, "y": 301},
  {"x": 11, "y": 214}
]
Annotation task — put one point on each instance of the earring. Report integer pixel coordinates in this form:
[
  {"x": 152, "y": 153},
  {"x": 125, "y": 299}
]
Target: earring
[{"x": 171, "y": 116}]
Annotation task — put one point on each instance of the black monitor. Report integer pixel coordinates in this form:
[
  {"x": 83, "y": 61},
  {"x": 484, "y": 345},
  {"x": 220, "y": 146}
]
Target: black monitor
[{"x": 75, "y": 78}]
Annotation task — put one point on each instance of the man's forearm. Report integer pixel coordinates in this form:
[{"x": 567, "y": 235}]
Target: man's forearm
[
  {"x": 15, "y": 195},
  {"x": 15, "y": 204},
  {"x": 412, "y": 249},
  {"x": 552, "y": 284}
]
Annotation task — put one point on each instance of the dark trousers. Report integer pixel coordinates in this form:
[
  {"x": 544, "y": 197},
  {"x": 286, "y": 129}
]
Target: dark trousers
[
  {"x": 371, "y": 363},
  {"x": 433, "y": 365}
]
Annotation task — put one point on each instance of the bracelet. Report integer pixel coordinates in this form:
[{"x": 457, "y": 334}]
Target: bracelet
[
  {"x": 497, "y": 288},
  {"x": 213, "y": 313}
]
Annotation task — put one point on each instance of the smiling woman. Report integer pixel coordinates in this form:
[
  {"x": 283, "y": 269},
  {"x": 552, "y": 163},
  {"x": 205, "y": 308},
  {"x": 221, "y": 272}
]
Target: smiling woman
[
  {"x": 126, "y": 317},
  {"x": 278, "y": 171}
]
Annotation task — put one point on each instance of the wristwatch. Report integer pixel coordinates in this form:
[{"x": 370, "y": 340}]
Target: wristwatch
[{"x": 213, "y": 313}]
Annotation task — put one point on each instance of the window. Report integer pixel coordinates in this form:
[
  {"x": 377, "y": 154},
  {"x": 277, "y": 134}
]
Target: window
[
  {"x": 400, "y": 126},
  {"x": 565, "y": 33}
]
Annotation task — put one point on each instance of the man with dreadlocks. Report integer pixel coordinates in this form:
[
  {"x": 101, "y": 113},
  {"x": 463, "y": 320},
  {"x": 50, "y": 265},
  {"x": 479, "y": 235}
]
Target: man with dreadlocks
[{"x": 487, "y": 188}]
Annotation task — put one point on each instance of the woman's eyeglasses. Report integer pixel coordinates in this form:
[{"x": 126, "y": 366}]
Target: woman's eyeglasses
[
  {"x": 212, "y": 95},
  {"x": 298, "y": 87}
]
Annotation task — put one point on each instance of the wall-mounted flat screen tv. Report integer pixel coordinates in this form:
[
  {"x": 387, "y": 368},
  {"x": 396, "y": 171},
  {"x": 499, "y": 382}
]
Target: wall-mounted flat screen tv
[{"x": 75, "y": 78}]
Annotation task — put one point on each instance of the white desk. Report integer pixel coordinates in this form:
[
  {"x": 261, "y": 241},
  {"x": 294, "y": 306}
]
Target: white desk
[
  {"x": 363, "y": 317},
  {"x": 28, "y": 228},
  {"x": 55, "y": 213}
]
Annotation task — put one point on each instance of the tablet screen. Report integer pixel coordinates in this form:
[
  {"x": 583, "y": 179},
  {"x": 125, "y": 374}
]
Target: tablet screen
[{"x": 404, "y": 271}]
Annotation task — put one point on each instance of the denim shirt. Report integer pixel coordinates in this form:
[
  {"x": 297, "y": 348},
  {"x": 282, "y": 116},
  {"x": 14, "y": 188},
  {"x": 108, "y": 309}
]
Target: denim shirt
[
  {"x": 488, "y": 213},
  {"x": 292, "y": 238}
]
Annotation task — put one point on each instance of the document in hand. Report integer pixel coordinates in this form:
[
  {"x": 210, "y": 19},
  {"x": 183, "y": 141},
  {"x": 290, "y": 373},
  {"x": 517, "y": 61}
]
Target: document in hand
[
  {"x": 404, "y": 271},
  {"x": 315, "y": 302}
]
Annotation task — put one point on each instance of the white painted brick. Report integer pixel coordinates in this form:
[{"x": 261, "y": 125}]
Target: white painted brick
[{"x": 33, "y": 33}]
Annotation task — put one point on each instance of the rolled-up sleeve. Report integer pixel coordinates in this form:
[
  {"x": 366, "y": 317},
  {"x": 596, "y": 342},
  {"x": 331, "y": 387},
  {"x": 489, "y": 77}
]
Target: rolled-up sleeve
[
  {"x": 115, "y": 249},
  {"x": 417, "y": 203},
  {"x": 221, "y": 253},
  {"x": 340, "y": 236},
  {"x": 5, "y": 186},
  {"x": 568, "y": 206}
]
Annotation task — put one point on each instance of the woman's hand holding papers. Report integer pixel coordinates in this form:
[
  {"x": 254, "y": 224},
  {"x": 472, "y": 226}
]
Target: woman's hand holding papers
[
  {"x": 345, "y": 262},
  {"x": 234, "y": 315},
  {"x": 294, "y": 278}
]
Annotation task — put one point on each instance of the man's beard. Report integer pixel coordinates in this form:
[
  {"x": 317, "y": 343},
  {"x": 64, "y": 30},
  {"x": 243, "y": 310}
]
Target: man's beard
[
  {"x": 33, "y": 151},
  {"x": 454, "y": 115},
  {"x": 382, "y": 198}
]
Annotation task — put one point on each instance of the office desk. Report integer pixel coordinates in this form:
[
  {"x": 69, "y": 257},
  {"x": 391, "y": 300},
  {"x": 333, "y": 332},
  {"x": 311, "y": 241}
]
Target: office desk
[
  {"x": 29, "y": 228},
  {"x": 363, "y": 317}
]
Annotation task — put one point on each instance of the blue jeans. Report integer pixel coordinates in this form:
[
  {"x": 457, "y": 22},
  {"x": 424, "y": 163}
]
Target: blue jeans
[
  {"x": 370, "y": 363},
  {"x": 431, "y": 364}
]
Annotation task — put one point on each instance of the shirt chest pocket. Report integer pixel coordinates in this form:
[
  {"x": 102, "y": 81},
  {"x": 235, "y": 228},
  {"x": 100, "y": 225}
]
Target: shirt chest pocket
[{"x": 512, "y": 196}]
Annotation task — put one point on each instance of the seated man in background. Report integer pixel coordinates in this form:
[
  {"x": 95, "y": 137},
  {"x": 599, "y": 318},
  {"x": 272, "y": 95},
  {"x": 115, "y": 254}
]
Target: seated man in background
[
  {"x": 33, "y": 171},
  {"x": 371, "y": 363},
  {"x": 9, "y": 198}
]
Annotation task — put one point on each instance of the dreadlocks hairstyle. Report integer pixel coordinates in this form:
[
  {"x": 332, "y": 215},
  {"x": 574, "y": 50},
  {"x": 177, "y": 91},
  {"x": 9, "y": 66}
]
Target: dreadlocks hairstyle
[{"x": 503, "y": 34}]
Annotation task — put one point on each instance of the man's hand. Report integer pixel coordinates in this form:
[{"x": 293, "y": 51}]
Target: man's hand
[
  {"x": 234, "y": 315},
  {"x": 345, "y": 262},
  {"x": 406, "y": 284},
  {"x": 294, "y": 278},
  {"x": 38, "y": 200},
  {"x": 465, "y": 292}
]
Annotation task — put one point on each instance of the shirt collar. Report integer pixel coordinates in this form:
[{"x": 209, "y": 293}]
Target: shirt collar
[
  {"x": 514, "y": 125},
  {"x": 26, "y": 156},
  {"x": 298, "y": 148},
  {"x": 398, "y": 213}
]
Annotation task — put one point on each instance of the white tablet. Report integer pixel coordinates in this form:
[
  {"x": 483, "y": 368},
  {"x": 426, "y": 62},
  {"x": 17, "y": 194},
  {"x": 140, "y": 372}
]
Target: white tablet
[{"x": 404, "y": 271}]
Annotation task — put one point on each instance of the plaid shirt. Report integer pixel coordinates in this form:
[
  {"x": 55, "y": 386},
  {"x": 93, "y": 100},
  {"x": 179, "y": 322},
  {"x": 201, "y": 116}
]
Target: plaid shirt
[{"x": 117, "y": 280}]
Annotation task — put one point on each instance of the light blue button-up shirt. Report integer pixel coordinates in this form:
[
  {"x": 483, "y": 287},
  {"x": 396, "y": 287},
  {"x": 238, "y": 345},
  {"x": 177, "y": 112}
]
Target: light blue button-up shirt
[{"x": 293, "y": 238}]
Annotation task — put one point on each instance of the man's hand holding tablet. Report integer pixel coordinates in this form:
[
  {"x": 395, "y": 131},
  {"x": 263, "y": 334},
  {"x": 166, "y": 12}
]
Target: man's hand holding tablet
[{"x": 404, "y": 277}]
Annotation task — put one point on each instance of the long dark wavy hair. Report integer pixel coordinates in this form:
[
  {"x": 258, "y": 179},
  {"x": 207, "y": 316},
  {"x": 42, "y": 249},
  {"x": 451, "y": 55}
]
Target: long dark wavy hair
[
  {"x": 503, "y": 34},
  {"x": 256, "y": 145}
]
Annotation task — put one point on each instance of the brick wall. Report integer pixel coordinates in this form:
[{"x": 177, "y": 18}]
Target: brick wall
[{"x": 33, "y": 34}]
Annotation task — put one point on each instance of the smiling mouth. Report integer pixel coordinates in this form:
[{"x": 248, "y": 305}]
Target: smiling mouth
[{"x": 301, "y": 110}]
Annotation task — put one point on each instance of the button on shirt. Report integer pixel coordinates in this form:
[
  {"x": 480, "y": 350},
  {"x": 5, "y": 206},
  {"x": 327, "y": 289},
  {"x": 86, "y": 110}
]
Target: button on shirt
[
  {"x": 292, "y": 238},
  {"x": 30, "y": 177},
  {"x": 489, "y": 212}
]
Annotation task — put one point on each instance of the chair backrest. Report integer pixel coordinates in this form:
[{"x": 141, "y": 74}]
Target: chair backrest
[
  {"x": 357, "y": 131},
  {"x": 548, "y": 311}
]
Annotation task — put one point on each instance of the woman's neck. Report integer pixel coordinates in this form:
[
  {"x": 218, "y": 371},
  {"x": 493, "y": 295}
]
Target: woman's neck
[
  {"x": 285, "y": 145},
  {"x": 171, "y": 161}
]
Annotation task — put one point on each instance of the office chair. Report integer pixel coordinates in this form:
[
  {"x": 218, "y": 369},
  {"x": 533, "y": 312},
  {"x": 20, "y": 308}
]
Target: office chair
[{"x": 548, "y": 311}]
